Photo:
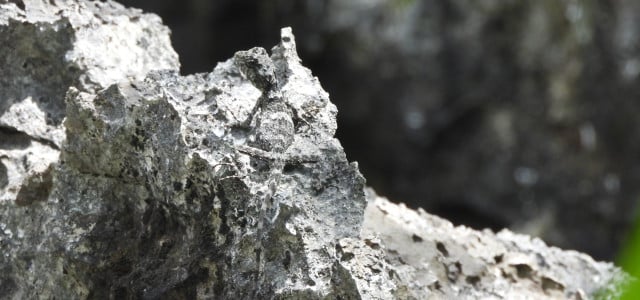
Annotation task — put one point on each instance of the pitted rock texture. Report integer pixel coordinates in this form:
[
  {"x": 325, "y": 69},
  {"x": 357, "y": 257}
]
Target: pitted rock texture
[
  {"x": 433, "y": 259},
  {"x": 136, "y": 182},
  {"x": 491, "y": 113},
  {"x": 47, "y": 47}
]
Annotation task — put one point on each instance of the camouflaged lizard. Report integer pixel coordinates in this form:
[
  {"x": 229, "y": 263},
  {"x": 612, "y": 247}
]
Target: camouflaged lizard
[{"x": 274, "y": 127}]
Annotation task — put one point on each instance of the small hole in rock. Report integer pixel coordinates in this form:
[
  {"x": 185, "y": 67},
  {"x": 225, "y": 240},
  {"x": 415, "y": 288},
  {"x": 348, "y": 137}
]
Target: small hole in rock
[
  {"x": 287, "y": 259},
  {"x": 473, "y": 280},
  {"x": 550, "y": 284},
  {"x": 523, "y": 271},
  {"x": 416, "y": 238},
  {"x": 440, "y": 246}
]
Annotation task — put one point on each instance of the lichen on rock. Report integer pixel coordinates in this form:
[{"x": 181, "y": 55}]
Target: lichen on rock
[{"x": 138, "y": 182}]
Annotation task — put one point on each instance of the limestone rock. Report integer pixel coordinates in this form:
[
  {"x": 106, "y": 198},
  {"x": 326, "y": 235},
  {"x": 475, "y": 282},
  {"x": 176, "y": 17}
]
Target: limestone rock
[
  {"x": 119, "y": 178},
  {"x": 432, "y": 259},
  {"x": 492, "y": 114},
  {"x": 46, "y": 48}
]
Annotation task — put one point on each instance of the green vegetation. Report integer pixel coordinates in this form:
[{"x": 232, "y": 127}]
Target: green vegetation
[{"x": 629, "y": 260}]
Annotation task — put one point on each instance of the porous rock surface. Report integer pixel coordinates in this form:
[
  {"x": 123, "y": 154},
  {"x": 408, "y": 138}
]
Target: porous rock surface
[
  {"x": 435, "y": 260},
  {"x": 119, "y": 178},
  {"x": 518, "y": 114}
]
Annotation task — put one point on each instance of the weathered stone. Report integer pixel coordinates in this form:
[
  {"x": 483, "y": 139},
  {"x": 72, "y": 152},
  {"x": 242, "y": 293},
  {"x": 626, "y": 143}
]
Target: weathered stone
[
  {"x": 432, "y": 259},
  {"x": 519, "y": 114},
  {"x": 47, "y": 48},
  {"x": 141, "y": 183}
]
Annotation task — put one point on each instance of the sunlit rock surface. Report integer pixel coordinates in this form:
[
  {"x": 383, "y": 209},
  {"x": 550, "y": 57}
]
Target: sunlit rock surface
[
  {"x": 119, "y": 178},
  {"x": 518, "y": 114}
]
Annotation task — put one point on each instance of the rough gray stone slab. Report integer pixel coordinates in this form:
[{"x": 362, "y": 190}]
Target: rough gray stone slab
[
  {"x": 131, "y": 181},
  {"x": 47, "y": 47},
  {"x": 432, "y": 259}
]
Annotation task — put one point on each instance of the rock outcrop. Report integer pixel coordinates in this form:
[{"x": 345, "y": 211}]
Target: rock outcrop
[
  {"x": 120, "y": 178},
  {"x": 518, "y": 114}
]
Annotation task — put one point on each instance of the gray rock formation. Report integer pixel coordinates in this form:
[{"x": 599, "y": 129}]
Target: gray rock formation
[
  {"x": 46, "y": 48},
  {"x": 519, "y": 114},
  {"x": 497, "y": 114},
  {"x": 435, "y": 260},
  {"x": 119, "y": 178}
]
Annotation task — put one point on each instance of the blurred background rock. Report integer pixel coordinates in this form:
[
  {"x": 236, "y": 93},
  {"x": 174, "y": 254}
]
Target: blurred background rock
[{"x": 519, "y": 114}]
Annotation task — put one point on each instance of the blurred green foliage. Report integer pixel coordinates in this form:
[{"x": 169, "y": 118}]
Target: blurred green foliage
[{"x": 629, "y": 260}]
